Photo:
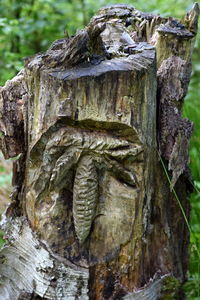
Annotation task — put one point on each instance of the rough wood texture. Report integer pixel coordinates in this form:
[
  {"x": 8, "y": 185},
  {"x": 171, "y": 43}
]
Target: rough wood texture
[{"x": 92, "y": 215}]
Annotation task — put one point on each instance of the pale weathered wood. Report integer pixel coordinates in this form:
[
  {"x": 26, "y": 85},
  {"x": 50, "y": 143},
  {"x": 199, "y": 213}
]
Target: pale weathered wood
[{"x": 91, "y": 200}]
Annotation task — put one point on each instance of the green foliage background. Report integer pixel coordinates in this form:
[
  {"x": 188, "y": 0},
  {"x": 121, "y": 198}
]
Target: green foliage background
[{"x": 30, "y": 26}]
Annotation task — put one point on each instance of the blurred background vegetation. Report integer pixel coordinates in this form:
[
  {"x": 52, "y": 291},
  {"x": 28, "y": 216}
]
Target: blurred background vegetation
[{"x": 30, "y": 26}]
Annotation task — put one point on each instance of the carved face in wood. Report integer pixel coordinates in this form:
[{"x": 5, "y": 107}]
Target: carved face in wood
[
  {"x": 90, "y": 129},
  {"x": 93, "y": 177}
]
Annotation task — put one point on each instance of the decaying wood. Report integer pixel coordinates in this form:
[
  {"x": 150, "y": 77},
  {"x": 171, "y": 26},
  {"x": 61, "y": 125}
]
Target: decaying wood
[{"x": 92, "y": 215}]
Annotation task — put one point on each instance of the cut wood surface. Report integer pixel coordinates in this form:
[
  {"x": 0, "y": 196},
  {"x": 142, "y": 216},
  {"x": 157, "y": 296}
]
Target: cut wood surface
[{"x": 92, "y": 214}]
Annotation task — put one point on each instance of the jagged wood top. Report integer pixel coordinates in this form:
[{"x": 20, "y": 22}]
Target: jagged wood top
[{"x": 125, "y": 26}]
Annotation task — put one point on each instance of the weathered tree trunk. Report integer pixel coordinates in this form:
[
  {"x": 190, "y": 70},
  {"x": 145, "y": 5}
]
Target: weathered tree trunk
[{"x": 92, "y": 214}]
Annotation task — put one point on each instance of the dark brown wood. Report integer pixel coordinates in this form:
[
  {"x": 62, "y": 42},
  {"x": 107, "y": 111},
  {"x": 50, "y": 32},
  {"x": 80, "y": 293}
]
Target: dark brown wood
[{"x": 92, "y": 213}]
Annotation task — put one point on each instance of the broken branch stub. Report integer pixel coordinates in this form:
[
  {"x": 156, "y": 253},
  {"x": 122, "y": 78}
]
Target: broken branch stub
[{"x": 92, "y": 215}]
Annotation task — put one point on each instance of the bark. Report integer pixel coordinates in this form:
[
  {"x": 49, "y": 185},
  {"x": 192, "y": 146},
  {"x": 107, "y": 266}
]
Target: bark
[{"x": 92, "y": 213}]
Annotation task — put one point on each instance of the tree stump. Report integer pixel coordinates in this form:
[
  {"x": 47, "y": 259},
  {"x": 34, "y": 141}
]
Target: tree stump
[{"x": 90, "y": 121}]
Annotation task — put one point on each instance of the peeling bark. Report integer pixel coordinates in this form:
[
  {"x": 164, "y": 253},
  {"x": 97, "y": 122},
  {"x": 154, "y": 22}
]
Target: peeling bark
[
  {"x": 92, "y": 215},
  {"x": 27, "y": 265}
]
